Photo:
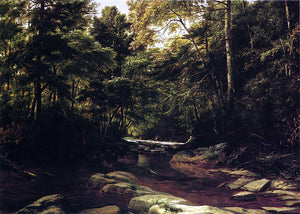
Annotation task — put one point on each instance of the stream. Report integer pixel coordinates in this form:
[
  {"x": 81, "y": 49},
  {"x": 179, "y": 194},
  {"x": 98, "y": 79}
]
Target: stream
[{"x": 151, "y": 167}]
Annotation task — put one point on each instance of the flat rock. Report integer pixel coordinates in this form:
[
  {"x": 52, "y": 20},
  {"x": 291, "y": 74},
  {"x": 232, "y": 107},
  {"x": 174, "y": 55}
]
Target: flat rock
[
  {"x": 257, "y": 186},
  {"x": 99, "y": 180},
  {"x": 285, "y": 210},
  {"x": 123, "y": 188},
  {"x": 238, "y": 173},
  {"x": 244, "y": 196},
  {"x": 185, "y": 209},
  {"x": 287, "y": 198},
  {"x": 239, "y": 183},
  {"x": 53, "y": 210},
  {"x": 281, "y": 192},
  {"x": 123, "y": 176},
  {"x": 280, "y": 184},
  {"x": 293, "y": 203},
  {"x": 55, "y": 204},
  {"x": 241, "y": 210},
  {"x": 142, "y": 204},
  {"x": 103, "y": 210}
]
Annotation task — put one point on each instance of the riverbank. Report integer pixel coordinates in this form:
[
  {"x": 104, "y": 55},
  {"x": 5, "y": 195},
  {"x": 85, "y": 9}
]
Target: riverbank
[{"x": 194, "y": 181}]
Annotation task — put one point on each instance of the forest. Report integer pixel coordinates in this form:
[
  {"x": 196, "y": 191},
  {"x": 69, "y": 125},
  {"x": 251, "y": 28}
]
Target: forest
[{"x": 75, "y": 82}]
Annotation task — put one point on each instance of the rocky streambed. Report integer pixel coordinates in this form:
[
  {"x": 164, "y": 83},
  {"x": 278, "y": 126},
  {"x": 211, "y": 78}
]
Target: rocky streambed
[{"x": 190, "y": 184}]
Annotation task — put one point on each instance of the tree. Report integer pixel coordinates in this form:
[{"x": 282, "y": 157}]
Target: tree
[
  {"x": 112, "y": 30},
  {"x": 46, "y": 48},
  {"x": 230, "y": 87},
  {"x": 11, "y": 34}
]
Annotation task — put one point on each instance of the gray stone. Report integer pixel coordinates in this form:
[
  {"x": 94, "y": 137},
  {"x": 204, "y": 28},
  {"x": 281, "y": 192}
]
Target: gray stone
[
  {"x": 239, "y": 183},
  {"x": 185, "y": 209},
  {"x": 285, "y": 210},
  {"x": 122, "y": 176},
  {"x": 217, "y": 149},
  {"x": 257, "y": 186},
  {"x": 99, "y": 180},
  {"x": 103, "y": 210},
  {"x": 55, "y": 204},
  {"x": 142, "y": 204},
  {"x": 130, "y": 189},
  {"x": 244, "y": 196}
]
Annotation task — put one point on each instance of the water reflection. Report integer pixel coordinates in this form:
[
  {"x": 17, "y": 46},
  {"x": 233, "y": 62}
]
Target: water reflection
[{"x": 143, "y": 161}]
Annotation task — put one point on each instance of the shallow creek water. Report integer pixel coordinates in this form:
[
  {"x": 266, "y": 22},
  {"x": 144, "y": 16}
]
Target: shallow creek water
[{"x": 153, "y": 171}]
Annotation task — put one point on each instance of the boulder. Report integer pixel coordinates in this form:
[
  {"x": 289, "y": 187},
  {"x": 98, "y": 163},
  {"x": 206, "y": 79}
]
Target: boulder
[
  {"x": 257, "y": 186},
  {"x": 123, "y": 176},
  {"x": 55, "y": 204},
  {"x": 211, "y": 153},
  {"x": 99, "y": 180},
  {"x": 239, "y": 183},
  {"x": 185, "y": 209},
  {"x": 244, "y": 196},
  {"x": 217, "y": 149},
  {"x": 103, "y": 210},
  {"x": 142, "y": 204},
  {"x": 123, "y": 188}
]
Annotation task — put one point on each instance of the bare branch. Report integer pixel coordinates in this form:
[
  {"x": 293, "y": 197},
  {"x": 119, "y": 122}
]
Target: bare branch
[
  {"x": 169, "y": 22},
  {"x": 221, "y": 2}
]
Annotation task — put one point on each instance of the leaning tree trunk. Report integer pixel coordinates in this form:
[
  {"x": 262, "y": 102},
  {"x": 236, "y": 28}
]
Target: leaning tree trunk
[
  {"x": 230, "y": 88},
  {"x": 17, "y": 169}
]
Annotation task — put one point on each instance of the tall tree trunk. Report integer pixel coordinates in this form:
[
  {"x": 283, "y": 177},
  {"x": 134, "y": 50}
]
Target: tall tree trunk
[
  {"x": 38, "y": 91},
  {"x": 8, "y": 83},
  {"x": 287, "y": 13},
  {"x": 206, "y": 43},
  {"x": 33, "y": 107},
  {"x": 248, "y": 26},
  {"x": 50, "y": 97},
  {"x": 196, "y": 113},
  {"x": 230, "y": 87},
  {"x": 54, "y": 97},
  {"x": 73, "y": 93},
  {"x": 38, "y": 96}
]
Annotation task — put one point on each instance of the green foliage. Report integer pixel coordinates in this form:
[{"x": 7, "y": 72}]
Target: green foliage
[
  {"x": 191, "y": 69},
  {"x": 112, "y": 30}
]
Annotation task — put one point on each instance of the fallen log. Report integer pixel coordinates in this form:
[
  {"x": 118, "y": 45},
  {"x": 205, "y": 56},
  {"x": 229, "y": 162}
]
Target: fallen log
[{"x": 17, "y": 169}]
